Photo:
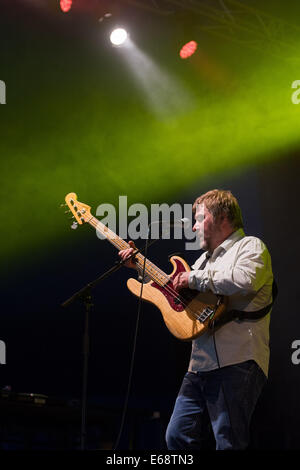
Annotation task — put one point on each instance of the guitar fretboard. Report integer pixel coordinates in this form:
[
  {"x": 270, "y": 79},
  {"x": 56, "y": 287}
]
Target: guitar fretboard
[{"x": 151, "y": 269}]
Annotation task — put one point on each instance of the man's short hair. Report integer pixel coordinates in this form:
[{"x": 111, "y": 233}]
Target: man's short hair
[{"x": 222, "y": 203}]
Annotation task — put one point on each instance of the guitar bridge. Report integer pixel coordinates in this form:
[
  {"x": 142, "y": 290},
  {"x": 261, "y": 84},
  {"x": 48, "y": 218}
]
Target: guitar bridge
[{"x": 205, "y": 314}]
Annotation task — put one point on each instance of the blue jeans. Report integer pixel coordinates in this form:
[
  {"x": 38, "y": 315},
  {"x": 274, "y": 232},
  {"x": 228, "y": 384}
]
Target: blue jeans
[{"x": 221, "y": 400}]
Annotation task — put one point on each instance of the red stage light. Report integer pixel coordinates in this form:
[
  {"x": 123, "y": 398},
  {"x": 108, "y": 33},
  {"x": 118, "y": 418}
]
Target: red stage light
[
  {"x": 65, "y": 5},
  {"x": 188, "y": 49}
]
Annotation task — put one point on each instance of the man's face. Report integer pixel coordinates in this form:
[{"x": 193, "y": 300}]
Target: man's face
[{"x": 206, "y": 227}]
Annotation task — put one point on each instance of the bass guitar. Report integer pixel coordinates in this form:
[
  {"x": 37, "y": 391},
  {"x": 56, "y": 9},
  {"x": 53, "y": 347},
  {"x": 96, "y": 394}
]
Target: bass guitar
[{"x": 188, "y": 313}]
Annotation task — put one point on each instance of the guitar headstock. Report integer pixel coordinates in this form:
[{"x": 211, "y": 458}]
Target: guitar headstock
[{"x": 80, "y": 211}]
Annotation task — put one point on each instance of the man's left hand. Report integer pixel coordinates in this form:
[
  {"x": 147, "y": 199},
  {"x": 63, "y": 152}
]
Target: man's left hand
[{"x": 181, "y": 281}]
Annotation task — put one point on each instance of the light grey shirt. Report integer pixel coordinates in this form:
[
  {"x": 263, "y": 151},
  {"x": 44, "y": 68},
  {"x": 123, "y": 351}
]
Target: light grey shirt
[{"x": 241, "y": 269}]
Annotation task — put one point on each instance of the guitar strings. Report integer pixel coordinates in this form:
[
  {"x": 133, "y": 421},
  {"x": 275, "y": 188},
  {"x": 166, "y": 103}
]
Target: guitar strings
[
  {"x": 150, "y": 268},
  {"x": 121, "y": 244}
]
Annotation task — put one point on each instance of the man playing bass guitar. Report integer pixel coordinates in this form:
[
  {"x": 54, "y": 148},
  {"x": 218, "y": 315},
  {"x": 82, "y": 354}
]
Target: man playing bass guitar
[{"x": 229, "y": 362}]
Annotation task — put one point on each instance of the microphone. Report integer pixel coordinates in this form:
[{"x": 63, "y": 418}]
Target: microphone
[{"x": 184, "y": 222}]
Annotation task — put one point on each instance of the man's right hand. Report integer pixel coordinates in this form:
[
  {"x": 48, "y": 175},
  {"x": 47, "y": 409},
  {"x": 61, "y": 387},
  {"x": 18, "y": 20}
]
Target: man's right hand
[{"x": 124, "y": 254}]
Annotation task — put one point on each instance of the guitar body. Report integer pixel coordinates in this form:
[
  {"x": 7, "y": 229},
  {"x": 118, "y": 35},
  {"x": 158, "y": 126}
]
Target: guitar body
[
  {"x": 181, "y": 317},
  {"x": 187, "y": 313}
]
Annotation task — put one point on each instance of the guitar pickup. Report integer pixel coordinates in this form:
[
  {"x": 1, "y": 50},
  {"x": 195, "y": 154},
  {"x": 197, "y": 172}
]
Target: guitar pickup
[{"x": 205, "y": 314}]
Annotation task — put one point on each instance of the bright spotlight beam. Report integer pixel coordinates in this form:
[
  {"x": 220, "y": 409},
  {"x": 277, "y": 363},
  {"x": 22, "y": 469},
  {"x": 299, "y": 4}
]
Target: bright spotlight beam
[{"x": 118, "y": 36}]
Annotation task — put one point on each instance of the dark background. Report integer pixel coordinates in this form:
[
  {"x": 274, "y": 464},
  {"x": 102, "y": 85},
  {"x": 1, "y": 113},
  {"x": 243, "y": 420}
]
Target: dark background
[{"x": 44, "y": 341}]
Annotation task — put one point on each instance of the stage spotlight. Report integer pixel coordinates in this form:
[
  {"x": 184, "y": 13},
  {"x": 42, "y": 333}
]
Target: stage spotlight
[
  {"x": 65, "y": 5},
  {"x": 188, "y": 49},
  {"x": 118, "y": 36}
]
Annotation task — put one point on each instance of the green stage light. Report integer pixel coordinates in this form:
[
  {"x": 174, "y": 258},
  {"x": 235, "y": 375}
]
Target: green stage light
[{"x": 72, "y": 125}]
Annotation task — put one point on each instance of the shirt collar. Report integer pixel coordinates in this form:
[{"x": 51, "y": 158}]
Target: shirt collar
[{"x": 226, "y": 244}]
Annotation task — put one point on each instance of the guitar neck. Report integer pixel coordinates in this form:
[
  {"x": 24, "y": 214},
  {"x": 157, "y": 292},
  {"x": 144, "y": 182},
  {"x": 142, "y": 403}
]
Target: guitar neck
[{"x": 151, "y": 269}]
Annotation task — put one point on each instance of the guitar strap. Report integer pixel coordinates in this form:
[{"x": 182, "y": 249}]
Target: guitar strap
[{"x": 243, "y": 315}]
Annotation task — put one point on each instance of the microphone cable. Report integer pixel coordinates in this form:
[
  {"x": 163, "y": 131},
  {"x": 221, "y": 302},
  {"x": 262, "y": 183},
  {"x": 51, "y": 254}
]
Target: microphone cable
[{"x": 125, "y": 408}]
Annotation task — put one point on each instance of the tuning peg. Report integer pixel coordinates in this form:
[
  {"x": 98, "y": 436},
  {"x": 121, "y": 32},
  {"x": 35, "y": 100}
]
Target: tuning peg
[
  {"x": 62, "y": 206},
  {"x": 74, "y": 225}
]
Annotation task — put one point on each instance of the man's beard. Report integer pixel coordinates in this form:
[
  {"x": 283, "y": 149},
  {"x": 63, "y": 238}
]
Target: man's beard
[{"x": 203, "y": 243}]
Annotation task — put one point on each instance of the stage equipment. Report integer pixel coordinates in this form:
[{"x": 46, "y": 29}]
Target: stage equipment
[
  {"x": 66, "y": 5},
  {"x": 118, "y": 36}
]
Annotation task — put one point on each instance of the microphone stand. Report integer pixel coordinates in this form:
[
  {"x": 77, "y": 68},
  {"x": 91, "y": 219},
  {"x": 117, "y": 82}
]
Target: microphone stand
[
  {"x": 85, "y": 294},
  {"x": 142, "y": 281}
]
